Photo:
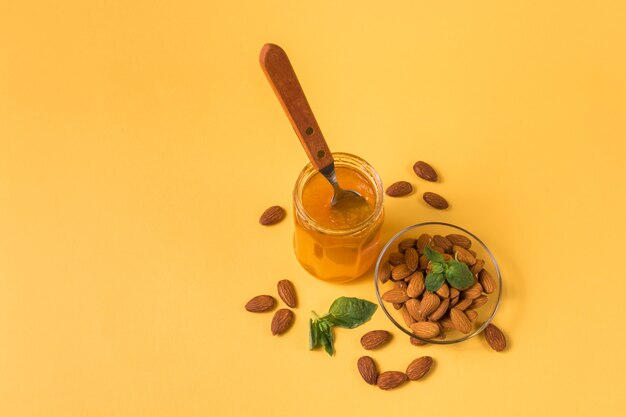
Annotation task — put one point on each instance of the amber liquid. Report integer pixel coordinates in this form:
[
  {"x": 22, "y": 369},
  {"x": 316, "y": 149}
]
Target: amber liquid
[{"x": 327, "y": 256}]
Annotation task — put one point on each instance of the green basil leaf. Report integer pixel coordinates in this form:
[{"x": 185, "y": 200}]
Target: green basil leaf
[
  {"x": 350, "y": 312},
  {"x": 459, "y": 275},
  {"x": 433, "y": 255},
  {"x": 314, "y": 334},
  {"x": 434, "y": 281},
  {"x": 326, "y": 337},
  {"x": 437, "y": 267}
]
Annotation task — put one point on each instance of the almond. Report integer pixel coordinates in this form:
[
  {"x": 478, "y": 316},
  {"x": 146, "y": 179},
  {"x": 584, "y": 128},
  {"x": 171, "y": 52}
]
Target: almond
[
  {"x": 391, "y": 379},
  {"x": 272, "y": 215},
  {"x": 397, "y": 306},
  {"x": 374, "y": 339},
  {"x": 446, "y": 322},
  {"x": 479, "y": 302},
  {"x": 443, "y": 243},
  {"x": 477, "y": 267},
  {"x": 368, "y": 370},
  {"x": 416, "y": 285},
  {"x": 399, "y": 189},
  {"x": 464, "y": 255},
  {"x": 260, "y": 303},
  {"x": 423, "y": 262},
  {"x": 396, "y": 258},
  {"x": 441, "y": 310},
  {"x": 495, "y": 338},
  {"x": 425, "y": 329},
  {"x": 384, "y": 273},
  {"x": 424, "y": 240},
  {"x": 411, "y": 259},
  {"x": 454, "y": 292},
  {"x": 282, "y": 321},
  {"x": 416, "y": 342},
  {"x": 419, "y": 367},
  {"x": 397, "y": 295},
  {"x": 402, "y": 284},
  {"x": 459, "y": 240},
  {"x": 406, "y": 315},
  {"x": 435, "y": 200},
  {"x": 447, "y": 257},
  {"x": 287, "y": 292},
  {"x": 405, "y": 244},
  {"x": 413, "y": 307},
  {"x": 463, "y": 304},
  {"x": 487, "y": 281},
  {"x": 460, "y": 321},
  {"x": 474, "y": 291},
  {"x": 443, "y": 291},
  {"x": 428, "y": 304},
  {"x": 438, "y": 249},
  {"x": 454, "y": 301},
  {"x": 471, "y": 314},
  {"x": 425, "y": 171},
  {"x": 400, "y": 272}
]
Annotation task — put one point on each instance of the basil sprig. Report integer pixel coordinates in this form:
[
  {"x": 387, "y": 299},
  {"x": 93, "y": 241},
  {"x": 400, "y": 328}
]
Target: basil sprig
[
  {"x": 455, "y": 272},
  {"x": 346, "y": 312}
]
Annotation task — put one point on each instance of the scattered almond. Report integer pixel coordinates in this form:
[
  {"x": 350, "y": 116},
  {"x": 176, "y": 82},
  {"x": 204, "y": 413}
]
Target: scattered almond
[
  {"x": 260, "y": 303},
  {"x": 272, "y": 215},
  {"x": 391, "y": 379},
  {"x": 435, "y": 200},
  {"x": 368, "y": 370},
  {"x": 495, "y": 337},
  {"x": 425, "y": 171},
  {"x": 399, "y": 189},
  {"x": 374, "y": 339},
  {"x": 282, "y": 321},
  {"x": 287, "y": 292},
  {"x": 419, "y": 367}
]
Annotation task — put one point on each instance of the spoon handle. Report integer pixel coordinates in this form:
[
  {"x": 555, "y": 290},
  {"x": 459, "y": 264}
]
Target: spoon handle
[{"x": 285, "y": 84}]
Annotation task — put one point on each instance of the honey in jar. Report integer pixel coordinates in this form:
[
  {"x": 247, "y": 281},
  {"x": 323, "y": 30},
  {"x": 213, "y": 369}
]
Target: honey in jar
[{"x": 333, "y": 244}]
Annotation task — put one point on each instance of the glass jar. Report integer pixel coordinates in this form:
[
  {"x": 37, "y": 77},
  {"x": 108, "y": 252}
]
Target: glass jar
[{"x": 327, "y": 245}]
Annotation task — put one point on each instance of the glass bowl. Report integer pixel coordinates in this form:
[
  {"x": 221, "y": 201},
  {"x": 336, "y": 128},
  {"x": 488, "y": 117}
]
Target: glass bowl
[{"x": 398, "y": 313}]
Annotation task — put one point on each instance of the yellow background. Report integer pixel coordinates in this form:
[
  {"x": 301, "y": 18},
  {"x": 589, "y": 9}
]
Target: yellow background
[{"x": 140, "y": 142}]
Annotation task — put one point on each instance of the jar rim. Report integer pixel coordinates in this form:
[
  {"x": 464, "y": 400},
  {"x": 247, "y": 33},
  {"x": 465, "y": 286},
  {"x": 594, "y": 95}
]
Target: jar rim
[{"x": 342, "y": 159}]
